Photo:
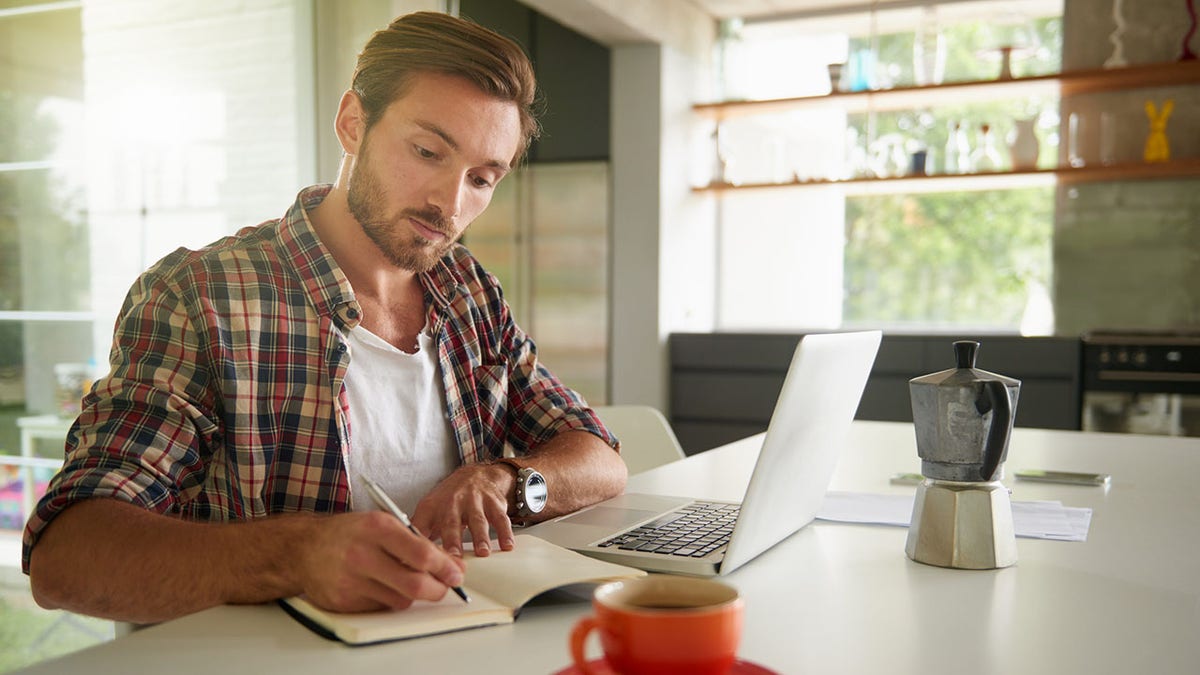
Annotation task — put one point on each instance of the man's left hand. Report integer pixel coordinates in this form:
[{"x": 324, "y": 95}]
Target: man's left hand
[{"x": 472, "y": 498}]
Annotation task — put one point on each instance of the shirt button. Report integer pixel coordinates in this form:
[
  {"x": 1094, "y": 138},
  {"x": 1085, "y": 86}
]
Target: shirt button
[
  {"x": 352, "y": 313},
  {"x": 341, "y": 348}
]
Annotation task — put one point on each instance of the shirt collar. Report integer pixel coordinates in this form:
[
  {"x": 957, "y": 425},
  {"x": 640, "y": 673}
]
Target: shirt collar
[
  {"x": 327, "y": 286},
  {"x": 442, "y": 282}
]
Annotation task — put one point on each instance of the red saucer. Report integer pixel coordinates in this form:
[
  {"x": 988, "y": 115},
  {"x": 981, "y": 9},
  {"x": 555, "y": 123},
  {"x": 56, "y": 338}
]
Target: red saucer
[{"x": 740, "y": 667}]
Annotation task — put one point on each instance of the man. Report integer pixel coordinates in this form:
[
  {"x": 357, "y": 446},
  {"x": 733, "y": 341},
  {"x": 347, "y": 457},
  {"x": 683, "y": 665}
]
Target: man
[{"x": 255, "y": 381}]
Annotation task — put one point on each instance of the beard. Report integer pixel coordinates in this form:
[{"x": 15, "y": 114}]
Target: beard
[{"x": 391, "y": 234}]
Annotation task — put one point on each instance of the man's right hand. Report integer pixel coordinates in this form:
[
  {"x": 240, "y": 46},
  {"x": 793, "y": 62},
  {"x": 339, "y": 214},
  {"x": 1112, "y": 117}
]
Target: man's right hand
[{"x": 370, "y": 561}]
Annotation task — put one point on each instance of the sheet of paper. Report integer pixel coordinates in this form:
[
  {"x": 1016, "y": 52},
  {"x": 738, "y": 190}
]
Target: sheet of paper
[{"x": 1036, "y": 519}]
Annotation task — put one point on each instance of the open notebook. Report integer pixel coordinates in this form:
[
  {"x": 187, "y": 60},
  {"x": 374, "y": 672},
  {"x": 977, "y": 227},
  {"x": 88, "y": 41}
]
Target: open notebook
[{"x": 499, "y": 585}]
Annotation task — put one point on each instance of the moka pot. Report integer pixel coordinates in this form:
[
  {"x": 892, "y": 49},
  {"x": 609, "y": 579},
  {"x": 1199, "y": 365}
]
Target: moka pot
[{"x": 963, "y": 418}]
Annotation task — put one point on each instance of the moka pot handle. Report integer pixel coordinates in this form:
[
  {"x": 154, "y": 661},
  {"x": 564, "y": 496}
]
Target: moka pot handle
[{"x": 996, "y": 394}]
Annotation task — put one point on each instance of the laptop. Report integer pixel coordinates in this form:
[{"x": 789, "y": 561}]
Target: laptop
[{"x": 799, "y": 453}]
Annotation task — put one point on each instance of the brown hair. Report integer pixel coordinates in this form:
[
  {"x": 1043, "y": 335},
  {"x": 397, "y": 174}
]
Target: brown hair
[{"x": 432, "y": 41}]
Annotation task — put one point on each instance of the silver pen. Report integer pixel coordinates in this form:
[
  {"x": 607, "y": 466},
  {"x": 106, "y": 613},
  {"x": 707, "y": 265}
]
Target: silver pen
[{"x": 385, "y": 503}]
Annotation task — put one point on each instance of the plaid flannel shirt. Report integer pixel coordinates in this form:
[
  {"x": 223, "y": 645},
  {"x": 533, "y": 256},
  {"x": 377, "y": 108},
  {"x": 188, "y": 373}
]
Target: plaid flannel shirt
[{"x": 226, "y": 401}]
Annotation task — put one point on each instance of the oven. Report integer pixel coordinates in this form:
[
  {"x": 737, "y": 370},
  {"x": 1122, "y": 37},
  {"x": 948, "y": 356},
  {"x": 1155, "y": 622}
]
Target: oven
[{"x": 1141, "y": 382}]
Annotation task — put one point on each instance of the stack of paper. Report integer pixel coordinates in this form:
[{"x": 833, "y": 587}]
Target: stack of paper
[{"x": 1037, "y": 520}]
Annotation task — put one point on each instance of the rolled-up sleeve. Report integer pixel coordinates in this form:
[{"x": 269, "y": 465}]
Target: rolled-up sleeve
[{"x": 141, "y": 435}]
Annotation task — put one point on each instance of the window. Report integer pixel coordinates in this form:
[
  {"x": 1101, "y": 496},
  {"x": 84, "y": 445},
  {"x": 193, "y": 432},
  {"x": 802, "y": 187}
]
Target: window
[
  {"x": 45, "y": 302},
  {"x": 897, "y": 259},
  {"x": 126, "y": 131}
]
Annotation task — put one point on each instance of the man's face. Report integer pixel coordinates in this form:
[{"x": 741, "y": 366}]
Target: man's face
[{"x": 428, "y": 167}]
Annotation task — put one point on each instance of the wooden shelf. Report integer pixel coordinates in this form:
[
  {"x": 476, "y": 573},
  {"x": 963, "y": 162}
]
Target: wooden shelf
[
  {"x": 1179, "y": 168},
  {"x": 1064, "y": 84},
  {"x": 992, "y": 180}
]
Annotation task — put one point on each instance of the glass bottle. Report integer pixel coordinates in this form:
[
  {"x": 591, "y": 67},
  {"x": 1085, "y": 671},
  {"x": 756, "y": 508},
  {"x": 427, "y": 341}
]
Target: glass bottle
[
  {"x": 956, "y": 158},
  {"x": 929, "y": 49},
  {"x": 728, "y": 57},
  {"x": 856, "y": 156},
  {"x": 964, "y": 150},
  {"x": 986, "y": 157}
]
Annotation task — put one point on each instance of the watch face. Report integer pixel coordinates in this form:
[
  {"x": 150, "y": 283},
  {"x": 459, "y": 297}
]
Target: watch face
[{"x": 535, "y": 492}]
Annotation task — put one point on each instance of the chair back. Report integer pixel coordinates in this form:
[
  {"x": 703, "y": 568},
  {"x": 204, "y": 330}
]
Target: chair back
[{"x": 647, "y": 440}]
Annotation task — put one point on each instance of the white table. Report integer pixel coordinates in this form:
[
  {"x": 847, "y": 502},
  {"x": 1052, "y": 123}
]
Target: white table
[{"x": 836, "y": 598}]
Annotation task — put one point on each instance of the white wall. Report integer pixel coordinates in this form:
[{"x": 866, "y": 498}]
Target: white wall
[
  {"x": 663, "y": 234},
  {"x": 635, "y": 344}
]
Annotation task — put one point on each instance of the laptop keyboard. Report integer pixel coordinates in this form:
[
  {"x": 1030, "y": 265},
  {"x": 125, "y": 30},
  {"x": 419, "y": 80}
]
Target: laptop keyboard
[{"x": 694, "y": 531}]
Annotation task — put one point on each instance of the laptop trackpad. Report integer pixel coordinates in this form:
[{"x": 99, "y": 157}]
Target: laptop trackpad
[{"x": 609, "y": 517}]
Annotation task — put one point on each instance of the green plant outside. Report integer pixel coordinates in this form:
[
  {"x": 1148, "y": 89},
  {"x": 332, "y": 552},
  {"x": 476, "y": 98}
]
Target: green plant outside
[{"x": 946, "y": 258}]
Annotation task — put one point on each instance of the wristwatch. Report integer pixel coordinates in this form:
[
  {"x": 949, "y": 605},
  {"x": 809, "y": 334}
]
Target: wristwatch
[{"x": 531, "y": 494}]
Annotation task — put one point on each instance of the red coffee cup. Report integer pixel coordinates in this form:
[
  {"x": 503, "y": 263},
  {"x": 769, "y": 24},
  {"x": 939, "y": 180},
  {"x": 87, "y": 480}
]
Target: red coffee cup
[{"x": 663, "y": 625}]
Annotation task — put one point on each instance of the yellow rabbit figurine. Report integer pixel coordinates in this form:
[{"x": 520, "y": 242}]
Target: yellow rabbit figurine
[{"x": 1157, "y": 147}]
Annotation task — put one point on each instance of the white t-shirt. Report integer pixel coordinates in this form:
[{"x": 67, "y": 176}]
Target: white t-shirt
[{"x": 399, "y": 433}]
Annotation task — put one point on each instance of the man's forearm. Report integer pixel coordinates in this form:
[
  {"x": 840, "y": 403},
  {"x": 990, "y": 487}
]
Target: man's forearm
[
  {"x": 581, "y": 469},
  {"x": 111, "y": 559}
]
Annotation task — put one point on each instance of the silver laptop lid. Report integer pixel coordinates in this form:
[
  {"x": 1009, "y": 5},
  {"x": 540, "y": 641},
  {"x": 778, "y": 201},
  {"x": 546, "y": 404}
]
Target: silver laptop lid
[
  {"x": 812, "y": 416},
  {"x": 808, "y": 428}
]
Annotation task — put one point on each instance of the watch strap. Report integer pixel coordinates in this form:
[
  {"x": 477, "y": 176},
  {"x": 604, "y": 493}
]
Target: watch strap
[
  {"x": 521, "y": 502},
  {"x": 511, "y": 461}
]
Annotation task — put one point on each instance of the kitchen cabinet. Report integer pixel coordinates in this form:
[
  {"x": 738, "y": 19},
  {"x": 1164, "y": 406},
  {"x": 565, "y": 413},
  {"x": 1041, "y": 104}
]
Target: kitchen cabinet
[
  {"x": 546, "y": 233},
  {"x": 724, "y": 385},
  {"x": 1065, "y": 84}
]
